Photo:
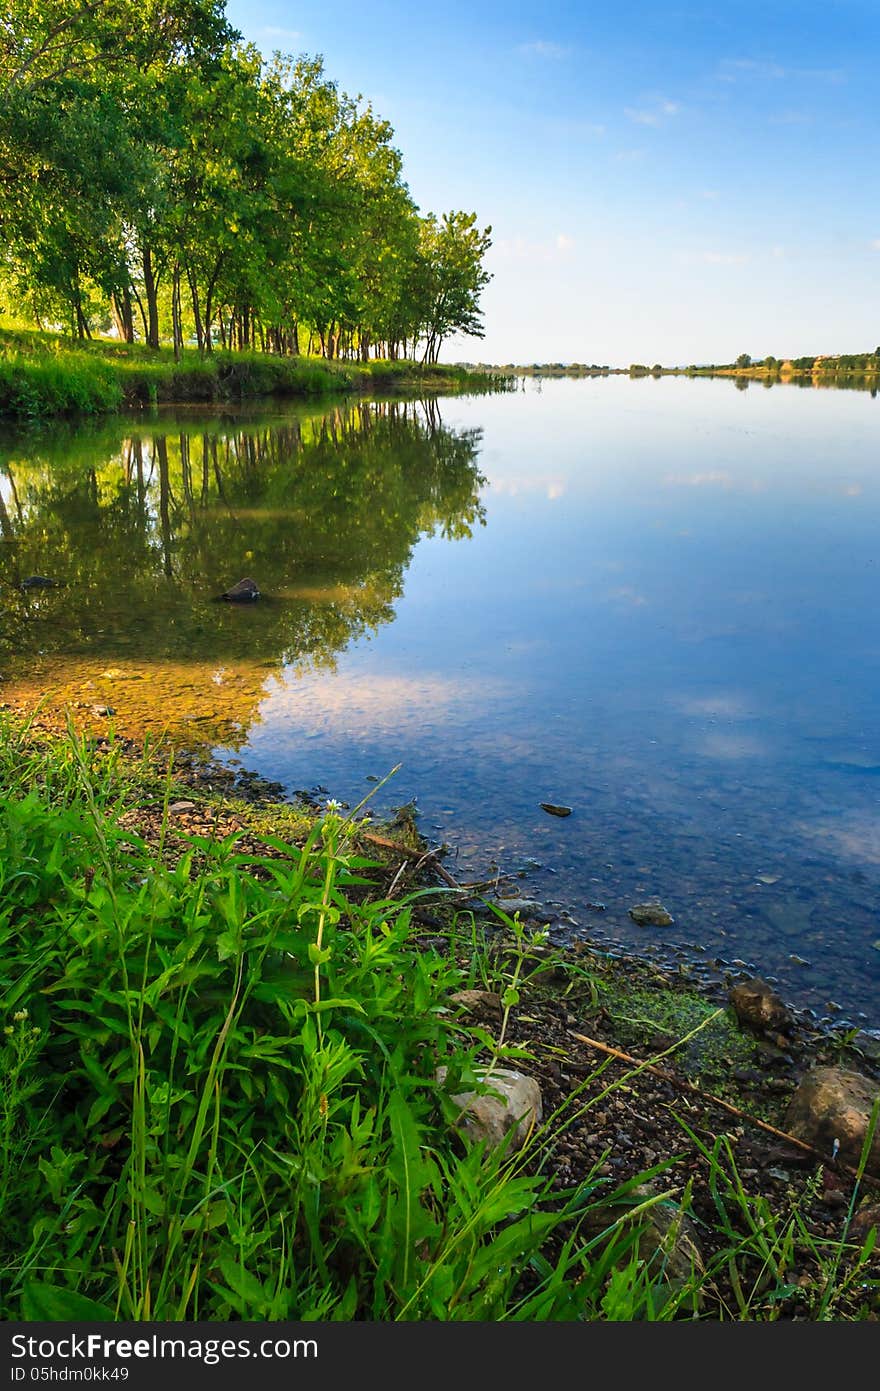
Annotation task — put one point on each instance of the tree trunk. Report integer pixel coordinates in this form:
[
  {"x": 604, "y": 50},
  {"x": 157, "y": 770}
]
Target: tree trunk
[
  {"x": 176, "y": 326},
  {"x": 123, "y": 314},
  {"x": 151, "y": 288},
  {"x": 140, "y": 305},
  {"x": 197, "y": 311}
]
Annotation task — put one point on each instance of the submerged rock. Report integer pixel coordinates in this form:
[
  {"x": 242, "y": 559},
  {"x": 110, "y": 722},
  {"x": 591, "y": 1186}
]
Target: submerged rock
[
  {"x": 244, "y": 592},
  {"x": 40, "y": 582},
  {"x": 651, "y": 915},
  {"x": 554, "y": 809},
  {"x": 525, "y": 907}
]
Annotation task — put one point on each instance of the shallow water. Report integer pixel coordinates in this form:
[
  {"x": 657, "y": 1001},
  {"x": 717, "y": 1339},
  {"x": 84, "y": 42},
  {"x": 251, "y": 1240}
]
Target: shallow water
[{"x": 652, "y": 601}]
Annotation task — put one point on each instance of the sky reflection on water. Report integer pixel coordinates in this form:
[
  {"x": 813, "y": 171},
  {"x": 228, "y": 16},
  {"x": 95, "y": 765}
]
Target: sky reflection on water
[{"x": 653, "y": 601}]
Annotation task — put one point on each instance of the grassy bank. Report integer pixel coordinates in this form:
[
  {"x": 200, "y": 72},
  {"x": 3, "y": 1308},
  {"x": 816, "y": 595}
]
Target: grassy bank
[
  {"x": 221, "y": 1029},
  {"x": 43, "y": 375}
]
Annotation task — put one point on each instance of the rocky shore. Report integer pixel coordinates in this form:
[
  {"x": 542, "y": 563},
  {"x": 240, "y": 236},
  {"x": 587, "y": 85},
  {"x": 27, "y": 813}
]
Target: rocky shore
[{"x": 736, "y": 1108}]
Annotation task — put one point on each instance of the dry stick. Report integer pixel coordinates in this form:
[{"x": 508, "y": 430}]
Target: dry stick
[
  {"x": 716, "y": 1101},
  {"x": 419, "y": 855}
]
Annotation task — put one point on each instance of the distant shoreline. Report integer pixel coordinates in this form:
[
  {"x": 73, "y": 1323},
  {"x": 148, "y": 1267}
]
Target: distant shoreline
[{"x": 853, "y": 366}]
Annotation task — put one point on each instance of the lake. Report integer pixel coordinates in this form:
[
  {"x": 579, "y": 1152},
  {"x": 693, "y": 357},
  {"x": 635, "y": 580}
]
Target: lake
[{"x": 652, "y": 601}]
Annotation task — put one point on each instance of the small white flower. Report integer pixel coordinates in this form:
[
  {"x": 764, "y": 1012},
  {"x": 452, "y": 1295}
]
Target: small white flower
[
  {"x": 333, "y": 805},
  {"x": 19, "y": 1016}
]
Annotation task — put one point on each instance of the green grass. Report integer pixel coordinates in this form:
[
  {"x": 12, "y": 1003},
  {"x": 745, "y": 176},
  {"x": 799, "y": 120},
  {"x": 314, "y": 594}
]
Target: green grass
[
  {"x": 218, "y": 1094},
  {"x": 43, "y": 375}
]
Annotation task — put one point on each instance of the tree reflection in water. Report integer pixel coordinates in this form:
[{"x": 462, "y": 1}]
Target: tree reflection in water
[{"x": 145, "y": 523}]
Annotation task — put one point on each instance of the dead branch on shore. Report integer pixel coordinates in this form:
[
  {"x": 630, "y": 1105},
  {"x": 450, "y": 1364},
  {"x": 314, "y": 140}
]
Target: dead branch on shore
[
  {"x": 708, "y": 1097},
  {"x": 422, "y": 856}
]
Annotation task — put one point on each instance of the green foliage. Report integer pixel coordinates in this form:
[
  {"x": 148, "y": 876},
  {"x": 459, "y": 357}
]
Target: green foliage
[
  {"x": 218, "y": 1100},
  {"x": 45, "y": 375},
  {"x": 162, "y": 177},
  {"x": 218, "y": 1095}
]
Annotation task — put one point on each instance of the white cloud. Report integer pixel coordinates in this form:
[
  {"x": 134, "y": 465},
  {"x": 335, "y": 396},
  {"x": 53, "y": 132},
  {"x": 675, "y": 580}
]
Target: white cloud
[
  {"x": 723, "y": 258},
  {"x": 875, "y": 244},
  {"x": 652, "y": 115},
  {"x": 731, "y": 69},
  {"x": 271, "y": 31},
  {"x": 544, "y": 48},
  {"x": 521, "y": 249}
]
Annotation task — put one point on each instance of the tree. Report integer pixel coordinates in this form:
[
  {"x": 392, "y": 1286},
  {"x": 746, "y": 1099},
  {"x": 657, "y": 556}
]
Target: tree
[{"x": 452, "y": 278}]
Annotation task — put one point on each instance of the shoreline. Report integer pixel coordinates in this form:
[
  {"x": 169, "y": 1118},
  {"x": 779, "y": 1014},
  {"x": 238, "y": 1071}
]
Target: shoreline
[
  {"x": 645, "y": 1078},
  {"x": 45, "y": 377},
  {"x": 193, "y": 767}
]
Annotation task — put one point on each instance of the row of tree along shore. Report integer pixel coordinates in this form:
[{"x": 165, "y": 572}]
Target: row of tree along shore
[
  {"x": 165, "y": 183},
  {"x": 45, "y": 375},
  {"x": 771, "y": 368}
]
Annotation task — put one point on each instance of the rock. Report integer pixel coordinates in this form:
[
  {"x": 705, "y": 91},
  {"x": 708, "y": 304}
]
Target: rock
[
  {"x": 833, "y": 1104},
  {"x": 512, "y": 1102},
  {"x": 244, "y": 592},
  {"x": 758, "y": 1007},
  {"x": 39, "y": 582},
  {"x": 866, "y": 1217},
  {"x": 668, "y": 1244},
  {"x": 103, "y": 710},
  {"x": 478, "y": 1001},
  {"x": 181, "y": 806},
  {"x": 554, "y": 809},
  {"x": 651, "y": 914},
  {"x": 526, "y": 907}
]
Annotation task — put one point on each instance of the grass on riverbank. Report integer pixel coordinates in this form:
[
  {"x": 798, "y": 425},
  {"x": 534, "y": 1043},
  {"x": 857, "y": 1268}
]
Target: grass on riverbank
[
  {"x": 218, "y": 1095},
  {"x": 43, "y": 375}
]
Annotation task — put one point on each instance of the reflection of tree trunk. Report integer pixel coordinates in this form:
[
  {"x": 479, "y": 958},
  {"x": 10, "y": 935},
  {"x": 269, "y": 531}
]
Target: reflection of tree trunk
[
  {"x": 186, "y": 472},
  {"x": 5, "y": 523},
  {"x": 15, "y": 497},
  {"x": 205, "y": 475},
  {"x": 141, "y": 489},
  {"x": 161, "y": 446}
]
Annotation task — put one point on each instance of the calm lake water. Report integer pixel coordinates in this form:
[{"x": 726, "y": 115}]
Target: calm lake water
[{"x": 652, "y": 601}]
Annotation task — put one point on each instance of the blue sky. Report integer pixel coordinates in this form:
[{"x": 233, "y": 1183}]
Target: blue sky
[{"x": 665, "y": 182}]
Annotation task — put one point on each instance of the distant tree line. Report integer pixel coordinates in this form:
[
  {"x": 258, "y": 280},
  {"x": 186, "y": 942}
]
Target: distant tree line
[{"x": 163, "y": 181}]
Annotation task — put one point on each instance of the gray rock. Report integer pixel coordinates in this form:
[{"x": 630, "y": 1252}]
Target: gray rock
[
  {"x": 651, "y": 914},
  {"x": 832, "y": 1103},
  {"x": 526, "y": 907},
  {"x": 40, "y": 582},
  {"x": 554, "y": 809},
  {"x": 756, "y": 1005},
  {"x": 181, "y": 806},
  {"x": 511, "y": 1102}
]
